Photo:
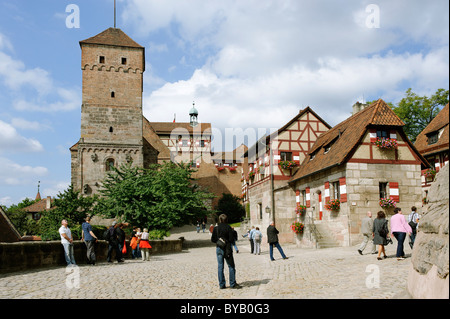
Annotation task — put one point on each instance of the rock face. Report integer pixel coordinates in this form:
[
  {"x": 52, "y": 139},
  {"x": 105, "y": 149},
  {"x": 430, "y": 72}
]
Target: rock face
[{"x": 428, "y": 276}]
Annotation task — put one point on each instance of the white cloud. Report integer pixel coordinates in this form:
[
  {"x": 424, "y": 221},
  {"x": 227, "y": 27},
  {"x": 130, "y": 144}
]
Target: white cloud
[
  {"x": 16, "y": 77},
  {"x": 14, "y": 174},
  {"x": 23, "y": 124},
  {"x": 11, "y": 140}
]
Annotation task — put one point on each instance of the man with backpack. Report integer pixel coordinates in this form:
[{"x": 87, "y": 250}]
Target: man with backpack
[
  {"x": 257, "y": 237},
  {"x": 413, "y": 221},
  {"x": 113, "y": 243}
]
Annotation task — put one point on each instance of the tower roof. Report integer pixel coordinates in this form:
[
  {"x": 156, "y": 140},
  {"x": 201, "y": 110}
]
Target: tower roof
[{"x": 112, "y": 37}]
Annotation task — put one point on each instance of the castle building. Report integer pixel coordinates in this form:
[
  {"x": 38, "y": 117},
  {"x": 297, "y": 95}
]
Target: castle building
[{"x": 114, "y": 130}]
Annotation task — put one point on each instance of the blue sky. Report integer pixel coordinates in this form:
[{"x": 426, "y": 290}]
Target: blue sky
[{"x": 245, "y": 63}]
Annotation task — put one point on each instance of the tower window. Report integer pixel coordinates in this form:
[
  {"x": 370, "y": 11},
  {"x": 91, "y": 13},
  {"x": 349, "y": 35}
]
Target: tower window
[
  {"x": 101, "y": 59},
  {"x": 109, "y": 164},
  {"x": 124, "y": 61},
  {"x": 113, "y": 95},
  {"x": 111, "y": 129}
]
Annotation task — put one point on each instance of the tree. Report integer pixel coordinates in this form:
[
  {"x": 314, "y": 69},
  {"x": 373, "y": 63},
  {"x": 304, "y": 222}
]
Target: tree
[
  {"x": 418, "y": 111},
  {"x": 231, "y": 206},
  {"x": 69, "y": 205},
  {"x": 160, "y": 197},
  {"x": 18, "y": 217}
]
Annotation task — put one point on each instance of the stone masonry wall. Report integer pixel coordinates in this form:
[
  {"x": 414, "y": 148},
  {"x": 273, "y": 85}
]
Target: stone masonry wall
[{"x": 429, "y": 273}]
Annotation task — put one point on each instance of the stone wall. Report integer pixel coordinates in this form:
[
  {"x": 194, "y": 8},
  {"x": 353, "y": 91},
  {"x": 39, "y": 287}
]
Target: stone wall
[
  {"x": 40, "y": 254},
  {"x": 429, "y": 273}
]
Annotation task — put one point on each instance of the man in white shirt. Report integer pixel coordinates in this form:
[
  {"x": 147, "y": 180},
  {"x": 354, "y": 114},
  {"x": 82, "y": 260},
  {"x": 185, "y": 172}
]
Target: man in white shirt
[{"x": 67, "y": 242}]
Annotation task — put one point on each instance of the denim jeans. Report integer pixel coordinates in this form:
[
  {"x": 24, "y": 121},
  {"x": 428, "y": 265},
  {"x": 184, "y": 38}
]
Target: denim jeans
[
  {"x": 230, "y": 262},
  {"x": 279, "y": 249},
  {"x": 400, "y": 236},
  {"x": 68, "y": 254}
]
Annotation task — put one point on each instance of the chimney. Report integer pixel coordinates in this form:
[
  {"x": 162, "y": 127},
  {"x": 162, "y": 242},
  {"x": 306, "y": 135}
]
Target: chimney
[
  {"x": 49, "y": 202},
  {"x": 357, "y": 107}
]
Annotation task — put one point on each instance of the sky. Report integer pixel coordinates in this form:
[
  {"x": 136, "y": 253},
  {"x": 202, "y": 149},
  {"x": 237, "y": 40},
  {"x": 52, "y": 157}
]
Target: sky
[{"x": 247, "y": 64}]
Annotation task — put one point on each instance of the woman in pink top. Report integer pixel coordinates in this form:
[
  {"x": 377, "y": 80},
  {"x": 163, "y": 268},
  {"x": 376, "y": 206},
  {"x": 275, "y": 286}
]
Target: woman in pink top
[{"x": 399, "y": 229}]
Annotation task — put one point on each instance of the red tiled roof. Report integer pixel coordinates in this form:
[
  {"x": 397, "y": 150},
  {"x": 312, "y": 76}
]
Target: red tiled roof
[
  {"x": 39, "y": 206},
  {"x": 112, "y": 37},
  {"x": 345, "y": 136},
  {"x": 169, "y": 127},
  {"x": 440, "y": 121}
]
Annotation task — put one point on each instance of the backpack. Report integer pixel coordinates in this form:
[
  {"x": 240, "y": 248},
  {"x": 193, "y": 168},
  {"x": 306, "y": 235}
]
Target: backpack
[
  {"x": 412, "y": 223},
  {"x": 382, "y": 230},
  {"x": 257, "y": 236}
]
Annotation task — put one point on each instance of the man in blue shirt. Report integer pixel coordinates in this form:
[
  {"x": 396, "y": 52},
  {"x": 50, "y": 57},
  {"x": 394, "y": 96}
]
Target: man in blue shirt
[{"x": 89, "y": 239}]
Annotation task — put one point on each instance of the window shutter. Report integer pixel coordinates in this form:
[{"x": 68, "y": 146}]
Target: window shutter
[
  {"x": 308, "y": 197},
  {"x": 343, "y": 190},
  {"x": 373, "y": 135},
  {"x": 327, "y": 192},
  {"x": 296, "y": 157},
  {"x": 393, "y": 192},
  {"x": 297, "y": 197}
]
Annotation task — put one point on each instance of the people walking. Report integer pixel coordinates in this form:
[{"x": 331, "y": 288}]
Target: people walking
[
  {"x": 272, "y": 239},
  {"x": 380, "y": 233},
  {"x": 203, "y": 226},
  {"x": 250, "y": 238},
  {"x": 67, "y": 242},
  {"x": 413, "y": 222},
  {"x": 223, "y": 236},
  {"x": 90, "y": 239},
  {"x": 113, "y": 244},
  {"x": 235, "y": 236},
  {"x": 399, "y": 229},
  {"x": 367, "y": 232},
  {"x": 134, "y": 243},
  {"x": 144, "y": 245},
  {"x": 120, "y": 237},
  {"x": 257, "y": 238}
]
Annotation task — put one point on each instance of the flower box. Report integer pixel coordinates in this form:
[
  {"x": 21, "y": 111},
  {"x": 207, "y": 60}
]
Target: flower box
[
  {"x": 287, "y": 164},
  {"x": 297, "y": 227},
  {"x": 386, "y": 143},
  {"x": 387, "y": 202},
  {"x": 334, "y": 204},
  {"x": 220, "y": 168},
  {"x": 232, "y": 168},
  {"x": 429, "y": 173}
]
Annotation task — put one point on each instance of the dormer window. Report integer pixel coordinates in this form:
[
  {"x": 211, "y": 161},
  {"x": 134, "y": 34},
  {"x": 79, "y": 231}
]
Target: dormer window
[
  {"x": 327, "y": 149},
  {"x": 382, "y": 133},
  {"x": 433, "y": 138}
]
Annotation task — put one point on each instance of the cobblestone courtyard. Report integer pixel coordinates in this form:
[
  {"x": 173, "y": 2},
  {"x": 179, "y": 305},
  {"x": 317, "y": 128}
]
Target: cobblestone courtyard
[{"x": 332, "y": 273}]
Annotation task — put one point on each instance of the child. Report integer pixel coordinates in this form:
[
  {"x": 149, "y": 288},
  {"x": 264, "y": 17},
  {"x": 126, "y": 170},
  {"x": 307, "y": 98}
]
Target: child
[{"x": 144, "y": 245}]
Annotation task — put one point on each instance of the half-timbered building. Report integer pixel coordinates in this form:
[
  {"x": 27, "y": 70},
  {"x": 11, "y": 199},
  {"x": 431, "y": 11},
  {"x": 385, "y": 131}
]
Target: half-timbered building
[
  {"x": 272, "y": 161},
  {"x": 358, "y": 164}
]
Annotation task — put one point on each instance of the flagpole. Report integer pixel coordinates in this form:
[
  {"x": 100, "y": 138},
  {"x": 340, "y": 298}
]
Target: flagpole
[{"x": 114, "y": 14}]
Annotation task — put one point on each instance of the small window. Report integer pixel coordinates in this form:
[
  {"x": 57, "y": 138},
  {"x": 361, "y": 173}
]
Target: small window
[
  {"x": 336, "y": 192},
  {"x": 382, "y": 133},
  {"x": 101, "y": 59},
  {"x": 184, "y": 143},
  {"x": 202, "y": 143},
  {"x": 111, "y": 129},
  {"x": 109, "y": 164},
  {"x": 113, "y": 94},
  {"x": 383, "y": 190},
  {"x": 124, "y": 61},
  {"x": 286, "y": 156},
  {"x": 433, "y": 138}
]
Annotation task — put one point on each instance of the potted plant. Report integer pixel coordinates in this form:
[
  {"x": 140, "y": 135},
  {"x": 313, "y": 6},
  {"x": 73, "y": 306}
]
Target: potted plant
[
  {"x": 387, "y": 203},
  {"x": 334, "y": 204},
  {"x": 429, "y": 173},
  {"x": 297, "y": 227},
  {"x": 300, "y": 209},
  {"x": 386, "y": 143},
  {"x": 251, "y": 175}
]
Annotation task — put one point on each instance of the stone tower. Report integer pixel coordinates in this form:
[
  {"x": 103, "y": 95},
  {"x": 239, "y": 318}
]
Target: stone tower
[{"x": 111, "y": 112}]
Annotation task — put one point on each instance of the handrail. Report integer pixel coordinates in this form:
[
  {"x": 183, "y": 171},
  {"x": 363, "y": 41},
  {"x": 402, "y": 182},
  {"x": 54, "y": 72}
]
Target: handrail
[{"x": 312, "y": 226}]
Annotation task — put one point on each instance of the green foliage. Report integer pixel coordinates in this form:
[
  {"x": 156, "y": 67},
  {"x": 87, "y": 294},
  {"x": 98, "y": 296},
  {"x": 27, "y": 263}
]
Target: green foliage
[
  {"x": 231, "y": 206},
  {"x": 69, "y": 205},
  {"x": 418, "y": 111},
  {"x": 19, "y": 219},
  {"x": 158, "y": 234},
  {"x": 158, "y": 198}
]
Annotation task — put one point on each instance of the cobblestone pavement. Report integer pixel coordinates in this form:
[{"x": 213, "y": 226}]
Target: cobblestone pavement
[{"x": 332, "y": 273}]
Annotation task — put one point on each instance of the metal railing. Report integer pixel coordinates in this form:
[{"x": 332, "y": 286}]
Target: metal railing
[{"x": 314, "y": 232}]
